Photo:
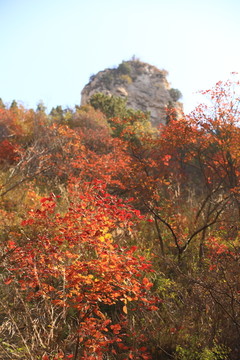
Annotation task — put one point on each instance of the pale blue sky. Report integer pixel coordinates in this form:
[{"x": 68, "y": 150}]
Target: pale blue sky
[{"x": 49, "y": 48}]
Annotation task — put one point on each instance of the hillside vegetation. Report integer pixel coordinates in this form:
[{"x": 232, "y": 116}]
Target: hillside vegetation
[{"x": 119, "y": 240}]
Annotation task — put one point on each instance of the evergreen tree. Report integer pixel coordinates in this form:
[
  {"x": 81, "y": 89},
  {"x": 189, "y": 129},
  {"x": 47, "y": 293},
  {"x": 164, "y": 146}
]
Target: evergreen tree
[
  {"x": 41, "y": 107},
  {"x": 2, "y": 105},
  {"x": 14, "y": 105}
]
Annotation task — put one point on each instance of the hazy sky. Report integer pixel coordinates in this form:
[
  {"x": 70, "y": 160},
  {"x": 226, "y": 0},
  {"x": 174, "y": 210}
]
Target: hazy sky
[{"x": 49, "y": 48}]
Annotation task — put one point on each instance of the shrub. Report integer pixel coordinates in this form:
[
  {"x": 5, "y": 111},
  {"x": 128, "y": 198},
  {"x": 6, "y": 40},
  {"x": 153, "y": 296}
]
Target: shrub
[
  {"x": 107, "y": 78},
  {"x": 175, "y": 94},
  {"x": 124, "y": 68},
  {"x": 126, "y": 78}
]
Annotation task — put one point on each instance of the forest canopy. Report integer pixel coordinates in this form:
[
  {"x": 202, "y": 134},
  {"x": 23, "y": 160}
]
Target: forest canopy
[{"x": 120, "y": 240}]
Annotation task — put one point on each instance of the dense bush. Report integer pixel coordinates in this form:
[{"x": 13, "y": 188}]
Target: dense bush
[
  {"x": 124, "y": 68},
  {"x": 120, "y": 241},
  {"x": 175, "y": 94}
]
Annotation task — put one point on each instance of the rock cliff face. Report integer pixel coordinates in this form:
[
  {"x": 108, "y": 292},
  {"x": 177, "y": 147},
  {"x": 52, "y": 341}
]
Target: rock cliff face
[{"x": 145, "y": 87}]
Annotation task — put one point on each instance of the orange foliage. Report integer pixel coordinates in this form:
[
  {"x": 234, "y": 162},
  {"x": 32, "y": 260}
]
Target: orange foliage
[
  {"x": 66, "y": 258},
  {"x": 76, "y": 249}
]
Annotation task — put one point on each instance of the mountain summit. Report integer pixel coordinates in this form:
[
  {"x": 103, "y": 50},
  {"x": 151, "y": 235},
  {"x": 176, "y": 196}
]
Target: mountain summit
[{"x": 145, "y": 87}]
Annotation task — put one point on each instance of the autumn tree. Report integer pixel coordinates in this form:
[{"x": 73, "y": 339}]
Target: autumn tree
[
  {"x": 187, "y": 179},
  {"x": 88, "y": 201},
  {"x": 191, "y": 166},
  {"x": 73, "y": 283}
]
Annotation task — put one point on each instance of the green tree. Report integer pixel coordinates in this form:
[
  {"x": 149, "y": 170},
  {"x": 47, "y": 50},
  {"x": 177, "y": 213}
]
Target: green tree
[
  {"x": 41, "y": 107},
  {"x": 124, "y": 68},
  {"x": 175, "y": 94},
  {"x": 114, "y": 106},
  {"x": 2, "y": 105},
  {"x": 125, "y": 122},
  {"x": 111, "y": 105},
  {"x": 14, "y": 105},
  {"x": 57, "y": 114}
]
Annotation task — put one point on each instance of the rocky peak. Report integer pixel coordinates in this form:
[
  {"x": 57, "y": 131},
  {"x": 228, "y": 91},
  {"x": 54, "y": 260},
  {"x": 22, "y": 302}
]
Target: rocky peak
[{"x": 144, "y": 85}]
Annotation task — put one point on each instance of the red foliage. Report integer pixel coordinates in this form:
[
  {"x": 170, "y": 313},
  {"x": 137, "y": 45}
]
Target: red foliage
[
  {"x": 76, "y": 248},
  {"x": 8, "y": 152}
]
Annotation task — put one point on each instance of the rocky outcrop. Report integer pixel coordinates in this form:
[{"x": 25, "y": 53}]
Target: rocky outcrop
[{"x": 145, "y": 87}]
